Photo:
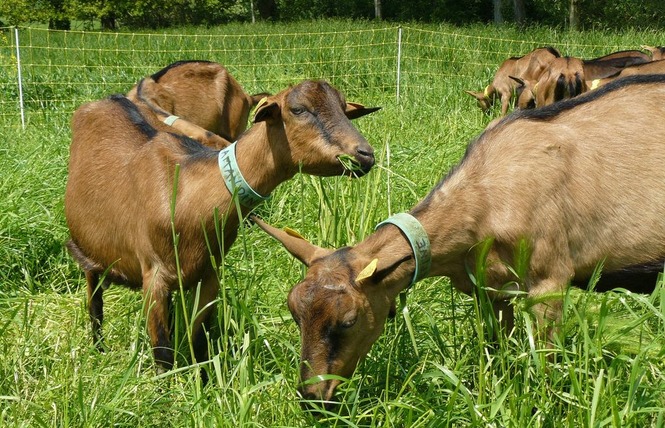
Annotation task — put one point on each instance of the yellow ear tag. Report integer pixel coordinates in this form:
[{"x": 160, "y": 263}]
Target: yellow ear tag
[
  {"x": 486, "y": 92},
  {"x": 260, "y": 104},
  {"x": 293, "y": 233},
  {"x": 368, "y": 271}
]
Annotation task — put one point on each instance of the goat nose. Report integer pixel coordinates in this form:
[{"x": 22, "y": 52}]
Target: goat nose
[
  {"x": 366, "y": 152},
  {"x": 366, "y": 160}
]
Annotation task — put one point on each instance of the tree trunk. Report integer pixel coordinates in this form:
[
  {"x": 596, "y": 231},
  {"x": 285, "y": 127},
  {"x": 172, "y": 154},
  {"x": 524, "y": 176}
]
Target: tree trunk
[
  {"x": 377, "y": 9},
  {"x": 520, "y": 14},
  {"x": 108, "y": 22},
  {"x": 574, "y": 18},
  {"x": 498, "y": 18},
  {"x": 59, "y": 24},
  {"x": 267, "y": 9}
]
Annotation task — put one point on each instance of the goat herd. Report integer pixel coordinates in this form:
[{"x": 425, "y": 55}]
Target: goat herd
[
  {"x": 168, "y": 172},
  {"x": 543, "y": 76}
]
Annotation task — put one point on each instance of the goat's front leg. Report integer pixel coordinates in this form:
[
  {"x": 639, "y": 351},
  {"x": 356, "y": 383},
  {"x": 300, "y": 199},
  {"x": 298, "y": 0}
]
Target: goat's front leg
[
  {"x": 505, "y": 103},
  {"x": 545, "y": 300},
  {"x": 95, "y": 307},
  {"x": 207, "y": 295},
  {"x": 157, "y": 298},
  {"x": 504, "y": 313}
]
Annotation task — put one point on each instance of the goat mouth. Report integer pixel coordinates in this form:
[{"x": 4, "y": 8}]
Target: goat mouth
[
  {"x": 357, "y": 166},
  {"x": 316, "y": 405}
]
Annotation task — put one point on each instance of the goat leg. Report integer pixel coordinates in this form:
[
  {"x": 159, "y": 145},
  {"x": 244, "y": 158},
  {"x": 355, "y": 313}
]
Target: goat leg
[
  {"x": 95, "y": 307},
  {"x": 157, "y": 299},
  {"x": 208, "y": 292}
]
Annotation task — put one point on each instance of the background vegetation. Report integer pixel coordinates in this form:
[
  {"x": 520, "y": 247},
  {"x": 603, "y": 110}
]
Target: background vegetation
[
  {"x": 112, "y": 14},
  {"x": 432, "y": 367}
]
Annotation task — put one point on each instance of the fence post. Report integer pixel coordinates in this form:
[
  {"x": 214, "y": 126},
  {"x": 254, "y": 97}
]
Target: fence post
[
  {"x": 399, "y": 59},
  {"x": 20, "y": 80}
]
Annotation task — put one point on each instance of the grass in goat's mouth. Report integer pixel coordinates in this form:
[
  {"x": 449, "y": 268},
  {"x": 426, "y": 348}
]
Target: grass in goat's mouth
[{"x": 349, "y": 163}]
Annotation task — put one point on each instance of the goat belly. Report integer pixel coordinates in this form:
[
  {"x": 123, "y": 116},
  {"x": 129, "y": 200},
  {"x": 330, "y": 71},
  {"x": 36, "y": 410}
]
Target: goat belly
[{"x": 638, "y": 279}]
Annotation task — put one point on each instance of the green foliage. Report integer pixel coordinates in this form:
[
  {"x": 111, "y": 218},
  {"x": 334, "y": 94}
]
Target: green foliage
[
  {"x": 16, "y": 12},
  {"x": 157, "y": 14},
  {"x": 599, "y": 13}
]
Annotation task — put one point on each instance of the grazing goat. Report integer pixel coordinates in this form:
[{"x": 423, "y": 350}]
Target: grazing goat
[
  {"x": 578, "y": 182},
  {"x": 568, "y": 77},
  {"x": 121, "y": 178},
  {"x": 199, "y": 99},
  {"x": 563, "y": 79},
  {"x": 529, "y": 67}
]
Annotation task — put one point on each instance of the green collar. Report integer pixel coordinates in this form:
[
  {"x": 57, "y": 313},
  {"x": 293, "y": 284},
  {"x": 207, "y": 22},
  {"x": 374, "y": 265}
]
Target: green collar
[
  {"x": 417, "y": 236},
  {"x": 234, "y": 180}
]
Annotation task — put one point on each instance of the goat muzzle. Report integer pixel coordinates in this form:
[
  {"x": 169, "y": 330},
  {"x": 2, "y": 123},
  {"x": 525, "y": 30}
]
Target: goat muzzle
[{"x": 358, "y": 165}]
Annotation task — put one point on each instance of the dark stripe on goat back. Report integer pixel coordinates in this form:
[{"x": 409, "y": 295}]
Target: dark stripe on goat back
[
  {"x": 158, "y": 75},
  {"x": 134, "y": 115},
  {"x": 553, "y": 110},
  {"x": 194, "y": 150}
]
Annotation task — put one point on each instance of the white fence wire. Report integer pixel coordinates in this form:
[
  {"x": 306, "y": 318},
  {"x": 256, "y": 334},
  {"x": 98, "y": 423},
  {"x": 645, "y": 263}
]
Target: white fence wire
[{"x": 44, "y": 72}]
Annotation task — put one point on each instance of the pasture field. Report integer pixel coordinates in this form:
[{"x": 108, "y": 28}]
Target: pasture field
[{"x": 432, "y": 367}]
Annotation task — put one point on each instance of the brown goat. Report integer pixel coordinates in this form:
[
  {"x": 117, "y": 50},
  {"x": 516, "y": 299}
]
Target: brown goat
[
  {"x": 529, "y": 67},
  {"x": 563, "y": 79},
  {"x": 567, "y": 78},
  {"x": 199, "y": 99},
  {"x": 579, "y": 182},
  {"x": 121, "y": 176}
]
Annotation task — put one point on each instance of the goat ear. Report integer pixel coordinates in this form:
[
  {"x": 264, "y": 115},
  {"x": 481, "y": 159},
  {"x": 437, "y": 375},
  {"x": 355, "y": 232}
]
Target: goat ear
[
  {"x": 266, "y": 110},
  {"x": 376, "y": 272},
  {"x": 368, "y": 271},
  {"x": 258, "y": 98},
  {"x": 476, "y": 95},
  {"x": 355, "y": 110},
  {"x": 294, "y": 243}
]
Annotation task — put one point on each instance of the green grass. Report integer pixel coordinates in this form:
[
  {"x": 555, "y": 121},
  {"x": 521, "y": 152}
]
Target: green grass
[{"x": 433, "y": 366}]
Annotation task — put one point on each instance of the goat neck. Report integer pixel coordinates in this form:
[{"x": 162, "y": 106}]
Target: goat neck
[{"x": 259, "y": 158}]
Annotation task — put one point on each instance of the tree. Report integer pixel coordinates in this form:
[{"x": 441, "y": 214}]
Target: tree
[
  {"x": 59, "y": 16},
  {"x": 574, "y": 19},
  {"x": 377, "y": 9},
  {"x": 498, "y": 17},
  {"x": 520, "y": 14}
]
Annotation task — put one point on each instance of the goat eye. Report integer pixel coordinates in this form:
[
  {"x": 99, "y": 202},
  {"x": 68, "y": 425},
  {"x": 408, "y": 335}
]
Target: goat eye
[
  {"x": 297, "y": 111},
  {"x": 348, "y": 323}
]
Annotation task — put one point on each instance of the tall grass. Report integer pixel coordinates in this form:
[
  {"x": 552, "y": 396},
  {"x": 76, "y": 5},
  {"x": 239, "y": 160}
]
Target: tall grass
[{"x": 435, "y": 364}]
